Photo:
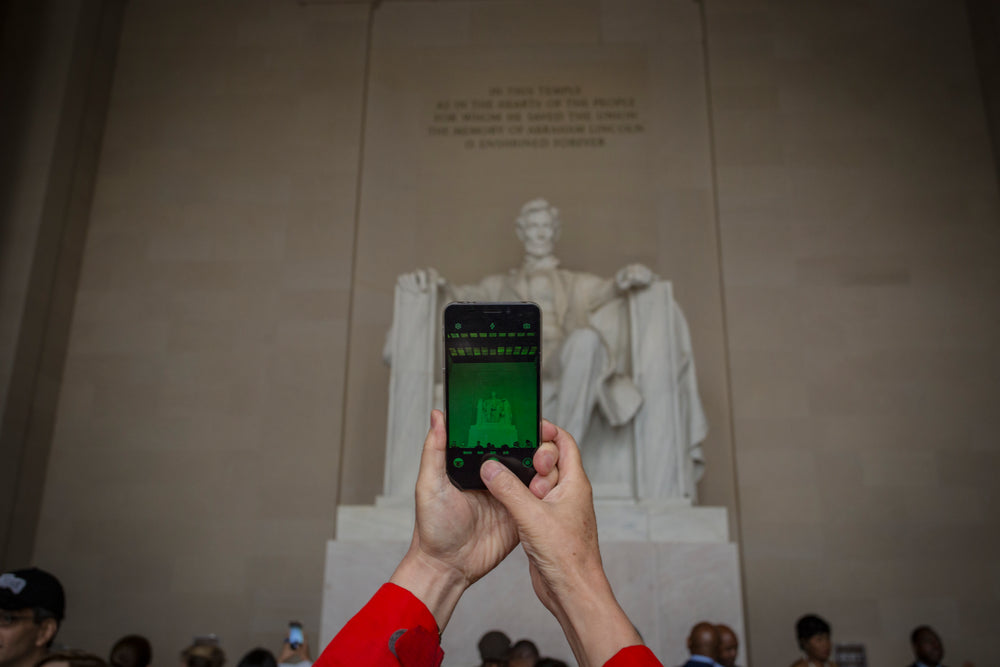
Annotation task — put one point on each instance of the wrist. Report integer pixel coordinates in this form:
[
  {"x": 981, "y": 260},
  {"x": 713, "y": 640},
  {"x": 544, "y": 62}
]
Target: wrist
[
  {"x": 436, "y": 584},
  {"x": 596, "y": 624}
]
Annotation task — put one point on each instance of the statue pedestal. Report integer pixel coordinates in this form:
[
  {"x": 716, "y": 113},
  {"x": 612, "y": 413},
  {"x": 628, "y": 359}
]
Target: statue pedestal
[{"x": 671, "y": 565}]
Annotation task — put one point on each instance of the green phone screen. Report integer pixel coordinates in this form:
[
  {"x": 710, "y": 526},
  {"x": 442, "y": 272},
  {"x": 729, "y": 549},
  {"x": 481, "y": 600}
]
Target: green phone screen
[{"x": 492, "y": 357}]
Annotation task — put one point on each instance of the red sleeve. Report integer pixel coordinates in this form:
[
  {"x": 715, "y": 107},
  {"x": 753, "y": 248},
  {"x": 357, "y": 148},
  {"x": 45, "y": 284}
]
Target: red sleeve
[
  {"x": 634, "y": 656},
  {"x": 371, "y": 637}
]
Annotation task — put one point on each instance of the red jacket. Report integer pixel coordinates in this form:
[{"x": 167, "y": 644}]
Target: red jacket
[{"x": 396, "y": 629}]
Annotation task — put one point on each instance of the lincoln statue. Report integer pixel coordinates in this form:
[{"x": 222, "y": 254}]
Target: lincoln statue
[{"x": 617, "y": 368}]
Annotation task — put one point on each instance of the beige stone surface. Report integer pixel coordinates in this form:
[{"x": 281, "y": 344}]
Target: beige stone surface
[
  {"x": 453, "y": 208},
  {"x": 34, "y": 93},
  {"x": 817, "y": 183},
  {"x": 664, "y": 587},
  {"x": 856, "y": 244},
  {"x": 193, "y": 471}
]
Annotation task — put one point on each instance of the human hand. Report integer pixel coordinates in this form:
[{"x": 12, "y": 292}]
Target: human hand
[
  {"x": 298, "y": 654},
  {"x": 558, "y": 530},
  {"x": 634, "y": 275},
  {"x": 459, "y": 536}
]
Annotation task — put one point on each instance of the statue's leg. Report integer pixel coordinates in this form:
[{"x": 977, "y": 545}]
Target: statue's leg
[{"x": 582, "y": 360}]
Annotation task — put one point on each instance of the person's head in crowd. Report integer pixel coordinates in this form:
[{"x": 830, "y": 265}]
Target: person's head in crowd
[
  {"x": 729, "y": 646},
  {"x": 131, "y": 651},
  {"x": 203, "y": 654},
  {"x": 523, "y": 653},
  {"x": 494, "y": 647},
  {"x": 32, "y": 604},
  {"x": 813, "y": 634},
  {"x": 71, "y": 658},
  {"x": 258, "y": 657},
  {"x": 550, "y": 662},
  {"x": 927, "y": 646},
  {"x": 704, "y": 641}
]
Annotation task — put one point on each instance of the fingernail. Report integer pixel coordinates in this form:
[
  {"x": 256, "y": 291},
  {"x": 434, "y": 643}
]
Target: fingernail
[{"x": 490, "y": 469}]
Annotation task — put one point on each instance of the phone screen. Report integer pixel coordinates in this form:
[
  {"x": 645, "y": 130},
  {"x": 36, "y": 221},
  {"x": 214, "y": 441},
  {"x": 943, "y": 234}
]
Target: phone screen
[
  {"x": 492, "y": 357},
  {"x": 295, "y": 638}
]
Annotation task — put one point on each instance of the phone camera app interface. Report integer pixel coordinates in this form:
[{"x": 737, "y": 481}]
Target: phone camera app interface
[{"x": 492, "y": 366}]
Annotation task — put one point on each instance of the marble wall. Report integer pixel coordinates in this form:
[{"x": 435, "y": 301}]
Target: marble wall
[
  {"x": 644, "y": 194},
  {"x": 827, "y": 213},
  {"x": 194, "y": 467},
  {"x": 665, "y": 588},
  {"x": 858, "y": 217},
  {"x": 29, "y": 130},
  {"x": 58, "y": 60}
]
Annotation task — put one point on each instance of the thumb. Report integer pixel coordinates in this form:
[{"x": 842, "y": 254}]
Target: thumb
[
  {"x": 433, "y": 454},
  {"x": 507, "y": 488}
]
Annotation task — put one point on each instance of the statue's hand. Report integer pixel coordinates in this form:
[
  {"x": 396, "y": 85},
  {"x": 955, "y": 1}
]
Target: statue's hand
[
  {"x": 634, "y": 276},
  {"x": 421, "y": 280}
]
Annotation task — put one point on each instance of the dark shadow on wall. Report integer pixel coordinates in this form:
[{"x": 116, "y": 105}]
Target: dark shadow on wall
[
  {"x": 984, "y": 23},
  {"x": 21, "y": 44},
  {"x": 59, "y": 232}
]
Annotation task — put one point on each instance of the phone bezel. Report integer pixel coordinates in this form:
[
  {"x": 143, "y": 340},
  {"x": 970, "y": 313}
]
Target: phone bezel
[{"x": 467, "y": 477}]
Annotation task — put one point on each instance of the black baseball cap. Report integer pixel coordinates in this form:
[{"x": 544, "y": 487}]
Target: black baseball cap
[{"x": 32, "y": 588}]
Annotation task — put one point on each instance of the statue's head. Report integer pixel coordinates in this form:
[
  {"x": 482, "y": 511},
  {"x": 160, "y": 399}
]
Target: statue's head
[{"x": 538, "y": 227}]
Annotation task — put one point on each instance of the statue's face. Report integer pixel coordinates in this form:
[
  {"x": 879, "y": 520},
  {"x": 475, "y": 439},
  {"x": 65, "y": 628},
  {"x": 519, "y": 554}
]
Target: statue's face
[{"x": 538, "y": 231}]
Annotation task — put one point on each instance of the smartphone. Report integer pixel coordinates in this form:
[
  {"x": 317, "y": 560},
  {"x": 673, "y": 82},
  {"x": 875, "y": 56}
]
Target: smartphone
[
  {"x": 492, "y": 386},
  {"x": 295, "y": 638}
]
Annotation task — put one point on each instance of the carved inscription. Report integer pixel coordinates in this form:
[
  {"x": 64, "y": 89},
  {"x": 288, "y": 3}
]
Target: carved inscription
[{"x": 535, "y": 116}]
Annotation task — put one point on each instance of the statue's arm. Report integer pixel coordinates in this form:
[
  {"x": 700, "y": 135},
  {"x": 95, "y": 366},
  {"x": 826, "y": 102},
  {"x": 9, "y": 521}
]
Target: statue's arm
[
  {"x": 634, "y": 276},
  {"x": 480, "y": 292},
  {"x": 413, "y": 287},
  {"x": 425, "y": 280},
  {"x": 421, "y": 281},
  {"x": 601, "y": 291}
]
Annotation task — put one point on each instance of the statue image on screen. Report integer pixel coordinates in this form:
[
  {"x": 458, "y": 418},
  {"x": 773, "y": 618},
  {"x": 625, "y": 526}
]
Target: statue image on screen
[
  {"x": 617, "y": 366},
  {"x": 493, "y": 427}
]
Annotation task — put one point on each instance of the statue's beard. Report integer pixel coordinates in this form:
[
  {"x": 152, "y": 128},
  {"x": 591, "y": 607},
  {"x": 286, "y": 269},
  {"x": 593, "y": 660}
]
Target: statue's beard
[{"x": 539, "y": 249}]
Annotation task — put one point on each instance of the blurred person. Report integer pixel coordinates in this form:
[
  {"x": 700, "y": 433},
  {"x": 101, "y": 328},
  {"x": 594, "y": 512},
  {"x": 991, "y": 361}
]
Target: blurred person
[
  {"x": 523, "y": 653},
  {"x": 258, "y": 657},
  {"x": 71, "y": 658},
  {"x": 131, "y": 651},
  {"x": 493, "y": 649},
  {"x": 32, "y": 605},
  {"x": 460, "y": 536},
  {"x": 729, "y": 645},
  {"x": 550, "y": 662},
  {"x": 927, "y": 647},
  {"x": 203, "y": 654},
  {"x": 703, "y": 643},
  {"x": 298, "y": 656},
  {"x": 813, "y": 635}
]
